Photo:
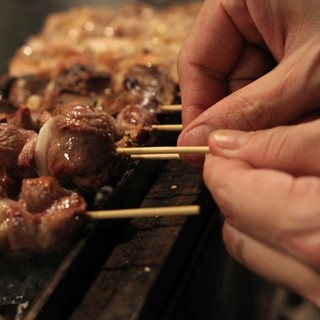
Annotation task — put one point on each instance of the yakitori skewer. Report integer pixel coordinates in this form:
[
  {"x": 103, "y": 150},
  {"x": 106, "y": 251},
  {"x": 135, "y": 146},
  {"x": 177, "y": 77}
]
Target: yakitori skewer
[
  {"x": 164, "y": 150},
  {"x": 145, "y": 212},
  {"x": 171, "y": 108}
]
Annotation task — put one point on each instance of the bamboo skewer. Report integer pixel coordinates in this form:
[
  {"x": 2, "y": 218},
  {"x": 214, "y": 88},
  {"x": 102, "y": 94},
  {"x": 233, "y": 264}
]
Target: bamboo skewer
[
  {"x": 163, "y": 150},
  {"x": 163, "y": 156},
  {"x": 167, "y": 127},
  {"x": 171, "y": 108},
  {"x": 144, "y": 212}
]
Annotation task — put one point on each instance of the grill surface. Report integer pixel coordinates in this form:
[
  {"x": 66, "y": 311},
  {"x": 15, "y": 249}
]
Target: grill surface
[
  {"x": 145, "y": 260},
  {"x": 163, "y": 268}
]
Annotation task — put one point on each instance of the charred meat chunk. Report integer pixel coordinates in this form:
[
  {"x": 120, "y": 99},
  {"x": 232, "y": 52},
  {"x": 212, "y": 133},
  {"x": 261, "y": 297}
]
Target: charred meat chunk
[
  {"x": 76, "y": 146},
  {"x": 10, "y": 182},
  {"x": 17, "y": 147},
  {"x": 144, "y": 85},
  {"x": 152, "y": 84},
  {"x": 79, "y": 84},
  {"x": 81, "y": 80},
  {"x": 45, "y": 217},
  {"x": 27, "y": 87},
  {"x": 135, "y": 124}
]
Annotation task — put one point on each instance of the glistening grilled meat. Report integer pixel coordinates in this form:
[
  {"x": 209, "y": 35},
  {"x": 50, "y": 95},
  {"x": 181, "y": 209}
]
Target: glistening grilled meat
[
  {"x": 77, "y": 147},
  {"x": 91, "y": 80},
  {"x": 108, "y": 39},
  {"x": 17, "y": 148},
  {"x": 16, "y": 157},
  {"x": 45, "y": 217},
  {"x": 135, "y": 125}
]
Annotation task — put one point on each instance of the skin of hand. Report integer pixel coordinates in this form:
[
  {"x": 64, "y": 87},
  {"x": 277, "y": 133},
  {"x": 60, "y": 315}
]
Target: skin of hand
[
  {"x": 267, "y": 185},
  {"x": 248, "y": 65},
  {"x": 254, "y": 67}
]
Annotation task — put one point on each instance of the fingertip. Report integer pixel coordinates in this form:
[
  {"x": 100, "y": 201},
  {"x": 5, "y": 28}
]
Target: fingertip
[
  {"x": 197, "y": 136},
  {"x": 195, "y": 161},
  {"x": 190, "y": 112}
]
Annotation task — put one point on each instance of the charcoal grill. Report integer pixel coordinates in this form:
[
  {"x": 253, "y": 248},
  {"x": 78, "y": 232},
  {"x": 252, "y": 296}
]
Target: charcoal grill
[
  {"x": 136, "y": 269},
  {"x": 160, "y": 268}
]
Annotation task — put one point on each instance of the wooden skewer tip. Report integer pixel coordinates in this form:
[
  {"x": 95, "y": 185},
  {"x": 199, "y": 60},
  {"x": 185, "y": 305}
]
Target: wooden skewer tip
[
  {"x": 168, "y": 127},
  {"x": 161, "y": 150},
  {"x": 171, "y": 108},
  {"x": 145, "y": 212},
  {"x": 163, "y": 156}
]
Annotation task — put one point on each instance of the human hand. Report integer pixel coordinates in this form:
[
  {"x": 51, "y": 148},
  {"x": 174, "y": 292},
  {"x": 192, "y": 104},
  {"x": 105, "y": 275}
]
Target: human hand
[
  {"x": 267, "y": 185},
  {"x": 227, "y": 73}
]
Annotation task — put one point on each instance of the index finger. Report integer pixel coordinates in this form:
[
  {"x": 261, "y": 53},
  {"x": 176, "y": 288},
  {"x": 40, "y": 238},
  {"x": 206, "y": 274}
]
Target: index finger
[{"x": 209, "y": 53}]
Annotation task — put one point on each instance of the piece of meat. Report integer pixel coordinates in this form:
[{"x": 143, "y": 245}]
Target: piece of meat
[
  {"x": 16, "y": 158},
  {"x": 78, "y": 84},
  {"x": 146, "y": 85},
  {"x": 26, "y": 118},
  {"x": 27, "y": 86},
  {"x": 23, "y": 100},
  {"x": 10, "y": 182},
  {"x": 152, "y": 83},
  {"x": 45, "y": 218},
  {"x": 107, "y": 39},
  {"x": 77, "y": 147},
  {"x": 130, "y": 50},
  {"x": 135, "y": 124},
  {"x": 84, "y": 66},
  {"x": 17, "y": 147},
  {"x": 22, "y": 116},
  {"x": 80, "y": 79}
]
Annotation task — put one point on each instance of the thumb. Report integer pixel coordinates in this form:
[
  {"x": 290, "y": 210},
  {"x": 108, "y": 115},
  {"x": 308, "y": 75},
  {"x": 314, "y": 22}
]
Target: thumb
[
  {"x": 278, "y": 98},
  {"x": 294, "y": 149}
]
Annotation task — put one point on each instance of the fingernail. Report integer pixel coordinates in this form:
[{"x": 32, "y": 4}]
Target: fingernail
[{"x": 230, "y": 139}]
